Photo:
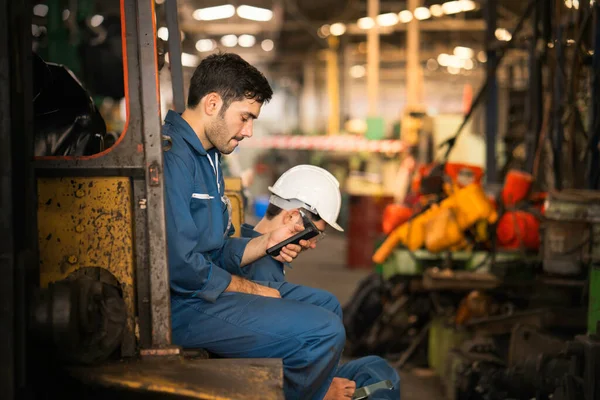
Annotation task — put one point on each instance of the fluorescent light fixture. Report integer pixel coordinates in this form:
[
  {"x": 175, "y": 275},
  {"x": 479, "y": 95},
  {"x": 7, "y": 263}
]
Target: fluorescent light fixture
[
  {"x": 365, "y": 23},
  {"x": 405, "y": 16},
  {"x": 436, "y": 10},
  {"x": 40, "y": 10},
  {"x": 463, "y": 52},
  {"x": 468, "y": 64},
  {"x": 337, "y": 29},
  {"x": 163, "y": 33},
  {"x": 246, "y": 40},
  {"x": 229, "y": 40},
  {"x": 451, "y": 7},
  {"x": 467, "y": 5},
  {"x": 482, "y": 57},
  {"x": 267, "y": 45},
  {"x": 189, "y": 60},
  {"x": 66, "y": 14},
  {"x": 204, "y": 45},
  {"x": 503, "y": 35},
  {"x": 388, "y": 19},
  {"x": 358, "y": 71},
  {"x": 422, "y": 13},
  {"x": 254, "y": 13},
  {"x": 96, "y": 20},
  {"x": 443, "y": 59},
  {"x": 213, "y": 13}
]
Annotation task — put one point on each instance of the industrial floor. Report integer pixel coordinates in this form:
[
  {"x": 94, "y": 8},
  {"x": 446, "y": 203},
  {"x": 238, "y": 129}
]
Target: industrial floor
[{"x": 324, "y": 268}]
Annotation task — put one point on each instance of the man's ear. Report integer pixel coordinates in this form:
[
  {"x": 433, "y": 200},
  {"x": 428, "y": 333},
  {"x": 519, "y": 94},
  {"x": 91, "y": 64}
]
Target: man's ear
[
  {"x": 212, "y": 104},
  {"x": 291, "y": 215}
]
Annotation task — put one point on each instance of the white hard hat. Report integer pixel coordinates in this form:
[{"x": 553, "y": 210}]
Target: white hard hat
[{"x": 309, "y": 187}]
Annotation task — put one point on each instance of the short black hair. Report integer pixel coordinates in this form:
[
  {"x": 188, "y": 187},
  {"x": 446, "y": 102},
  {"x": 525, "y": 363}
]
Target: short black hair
[
  {"x": 232, "y": 77},
  {"x": 273, "y": 211}
]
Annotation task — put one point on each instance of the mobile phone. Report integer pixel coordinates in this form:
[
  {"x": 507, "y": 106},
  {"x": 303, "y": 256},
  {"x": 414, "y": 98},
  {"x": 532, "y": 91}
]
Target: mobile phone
[
  {"x": 309, "y": 232},
  {"x": 365, "y": 391}
]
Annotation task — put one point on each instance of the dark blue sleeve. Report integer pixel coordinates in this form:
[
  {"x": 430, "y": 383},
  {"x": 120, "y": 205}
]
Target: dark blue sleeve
[{"x": 190, "y": 272}]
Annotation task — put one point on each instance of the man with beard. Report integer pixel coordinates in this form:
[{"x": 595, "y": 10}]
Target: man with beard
[{"x": 212, "y": 306}]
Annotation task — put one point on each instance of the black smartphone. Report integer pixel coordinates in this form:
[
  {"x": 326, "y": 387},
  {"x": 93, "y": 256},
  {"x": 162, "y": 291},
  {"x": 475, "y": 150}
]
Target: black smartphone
[
  {"x": 365, "y": 391},
  {"x": 309, "y": 232}
]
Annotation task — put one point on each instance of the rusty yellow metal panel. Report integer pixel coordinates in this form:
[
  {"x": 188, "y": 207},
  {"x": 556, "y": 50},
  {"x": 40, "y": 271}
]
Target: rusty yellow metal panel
[
  {"x": 87, "y": 222},
  {"x": 233, "y": 190}
]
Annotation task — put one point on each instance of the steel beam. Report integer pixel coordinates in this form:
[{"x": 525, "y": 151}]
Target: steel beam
[
  {"x": 558, "y": 129},
  {"x": 491, "y": 114},
  {"x": 175, "y": 55}
]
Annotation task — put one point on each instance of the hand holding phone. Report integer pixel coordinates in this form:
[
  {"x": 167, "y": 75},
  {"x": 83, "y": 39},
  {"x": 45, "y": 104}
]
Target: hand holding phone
[{"x": 309, "y": 232}]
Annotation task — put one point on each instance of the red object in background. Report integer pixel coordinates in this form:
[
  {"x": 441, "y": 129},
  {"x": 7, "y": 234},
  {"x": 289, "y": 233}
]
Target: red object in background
[
  {"x": 538, "y": 200},
  {"x": 463, "y": 174},
  {"x": 518, "y": 229},
  {"x": 422, "y": 171},
  {"x": 516, "y": 187},
  {"x": 467, "y": 99},
  {"x": 395, "y": 215},
  {"x": 261, "y": 168}
]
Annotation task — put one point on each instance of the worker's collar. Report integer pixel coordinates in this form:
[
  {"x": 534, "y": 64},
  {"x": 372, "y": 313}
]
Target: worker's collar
[
  {"x": 249, "y": 232},
  {"x": 186, "y": 131}
]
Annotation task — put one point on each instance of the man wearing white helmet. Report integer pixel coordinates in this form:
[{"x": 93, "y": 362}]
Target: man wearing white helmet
[{"x": 315, "y": 192}]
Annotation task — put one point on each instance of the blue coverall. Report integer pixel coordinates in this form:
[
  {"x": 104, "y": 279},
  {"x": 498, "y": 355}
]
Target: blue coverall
[
  {"x": 364, "y": 371},
  {"x": 202, "y": 256}
]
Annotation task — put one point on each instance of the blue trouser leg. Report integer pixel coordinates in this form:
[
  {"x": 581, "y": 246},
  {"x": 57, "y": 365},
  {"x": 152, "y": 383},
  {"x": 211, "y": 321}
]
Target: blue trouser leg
[
  {"x": 307, "y": 337},
  {"x": 372, "y": 369},
  {"x": 307, "y": 295}
]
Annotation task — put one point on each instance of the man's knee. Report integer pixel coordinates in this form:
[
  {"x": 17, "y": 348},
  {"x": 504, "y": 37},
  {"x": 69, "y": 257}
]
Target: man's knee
[
  {"x": 330, "y": 303},
  {"x": 325, "y": 328}
]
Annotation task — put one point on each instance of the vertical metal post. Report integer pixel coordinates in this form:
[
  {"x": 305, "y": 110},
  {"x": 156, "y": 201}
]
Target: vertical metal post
[
  {"x": 558, "y": 133},
  {"x": 308, "y": 108},
  {"x": 414, "y": 74},
  {"x": 491, "y": 114},
  {"x": 594, "y": 121},
  {"x": 160, "y": 305},
  {"x": 175, "y": 55},
  {"x": 333, "y": 86},
  {"x": 535, "y": 88},
  {"x": 373, "y": 59}
]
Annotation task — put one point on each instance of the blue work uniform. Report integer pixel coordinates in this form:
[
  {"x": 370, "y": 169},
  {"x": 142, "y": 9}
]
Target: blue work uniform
[
  {"x": 364, "y": 371},
  {"x": 202, "y": 257}
]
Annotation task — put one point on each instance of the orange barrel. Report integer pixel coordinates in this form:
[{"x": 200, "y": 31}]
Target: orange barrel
[
  {"x": 365, "y": 215},
  {"x": 516, "y": 187}
]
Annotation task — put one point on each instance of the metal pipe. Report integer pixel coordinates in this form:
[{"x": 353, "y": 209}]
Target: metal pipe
[
  {"x": 333, "y": 86},
  {"x": 373, "y": 60},
  {"x": 558, "y": 133},
  {"x": 175, "y": 55},
  {"x": 535, "y": 90},
  {"x": 414, "y": 76},
  {"x": 491, "y": 115}
]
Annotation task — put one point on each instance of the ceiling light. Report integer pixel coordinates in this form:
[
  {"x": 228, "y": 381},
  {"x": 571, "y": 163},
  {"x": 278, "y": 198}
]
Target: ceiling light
[
  {"x": 569, "y": 3},
  {"x": 503, "y": 34},
  {"x": 454, "y": 70},
  {"x": 213, "y": 13},
  {"x": 163, "y": 33},
  {"x": 405, "y": 16},
  {"x": 482, "y": 57},
  {"x": 463, "y": 52},
  {"x": 436, "y": 10},
  {"x": 40, "y": 10},
  {"x": 432, "y": 65},
  {"x": 467, "y": 5},
  {"x": 66, "y": 14},
  {"x": 468, "y": 64},
  {"x": 159, "y": 1},
  {"x": 204, "y": 45},
  {"x": 337, "y": 29},
  {"x": 576, "y": 4},
  {"x": 389, "y": 19},
  {"x": 229, "y": 40},
  {"x": 358, "y": 71},
  {"x": 189, "y": 60},
  {"x": 96, "y": 20},
  {"x": 254, "y": 13},
  {"x": 455, "y": 62},
  {"x": 443, "y": 59},
  {"x": 246, "y": 40},
  {"x": 422, "y": 13},
  {"x": 35, "y": 30},
  {"x": 451, "y": 7},
  {"x": 324, "y": 31},
  {"x": 267, "y": 45},
  {"x": 366, "y": 23}
]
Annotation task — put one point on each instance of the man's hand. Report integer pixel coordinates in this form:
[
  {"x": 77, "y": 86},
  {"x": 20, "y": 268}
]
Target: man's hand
[
  {"x": 242, "y": 285},
  {"x": 340, "y": 389},
  {"x": 291, "y": 251}
]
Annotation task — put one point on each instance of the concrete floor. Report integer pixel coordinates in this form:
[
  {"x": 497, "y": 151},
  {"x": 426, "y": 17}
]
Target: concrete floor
[{"x": 324, "y": 268}]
